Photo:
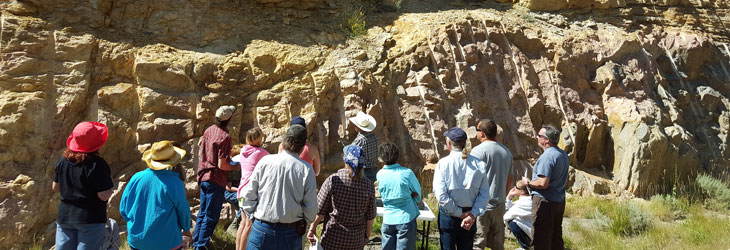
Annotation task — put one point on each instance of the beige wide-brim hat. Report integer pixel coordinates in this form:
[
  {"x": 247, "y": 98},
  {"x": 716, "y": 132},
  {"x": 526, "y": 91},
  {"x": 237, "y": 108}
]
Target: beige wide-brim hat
[
  {"x": 363, "y": 121},
  {"x": 163, "y": 155}
]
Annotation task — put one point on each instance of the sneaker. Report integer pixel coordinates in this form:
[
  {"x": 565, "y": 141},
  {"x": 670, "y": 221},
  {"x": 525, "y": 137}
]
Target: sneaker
[{"x": 375, "y": 240}]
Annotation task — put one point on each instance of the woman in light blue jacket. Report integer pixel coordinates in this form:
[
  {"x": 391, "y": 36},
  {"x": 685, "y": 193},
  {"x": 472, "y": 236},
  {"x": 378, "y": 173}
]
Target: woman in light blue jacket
[{"x": 400, "y": 190}]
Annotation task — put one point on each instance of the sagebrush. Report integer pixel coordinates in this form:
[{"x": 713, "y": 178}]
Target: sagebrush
[
  {"x": 624, "y": 218},
  {"x": 353, "y": 23},
  {"x": 717, "y": 194}
]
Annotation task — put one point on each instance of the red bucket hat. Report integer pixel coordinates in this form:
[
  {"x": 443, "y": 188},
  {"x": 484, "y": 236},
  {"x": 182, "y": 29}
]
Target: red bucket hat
[{"x": 87, "y": 137}]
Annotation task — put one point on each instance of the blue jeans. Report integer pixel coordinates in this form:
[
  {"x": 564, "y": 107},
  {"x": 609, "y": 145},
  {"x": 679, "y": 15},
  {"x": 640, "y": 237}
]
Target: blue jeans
[
  {"x": 266, "y": 236},
  {"x": 211, "y": 202},
  {"x": 400, "y": 236},
  {"x": 232, "y": 198},
  {"x": 521, "y": 236},
  {"x": 80, "y": 236},
  {"x": 452, "y": 235}
]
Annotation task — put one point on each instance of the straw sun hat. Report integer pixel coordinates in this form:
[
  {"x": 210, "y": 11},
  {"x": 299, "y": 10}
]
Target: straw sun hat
[{"x": 163, "y": 155}]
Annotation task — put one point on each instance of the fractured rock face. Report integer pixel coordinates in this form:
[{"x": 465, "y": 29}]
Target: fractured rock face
[{"x": 636, "y": 107}]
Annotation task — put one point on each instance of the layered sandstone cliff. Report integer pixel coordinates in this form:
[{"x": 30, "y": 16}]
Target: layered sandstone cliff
[{"x": 640, "y": 88}]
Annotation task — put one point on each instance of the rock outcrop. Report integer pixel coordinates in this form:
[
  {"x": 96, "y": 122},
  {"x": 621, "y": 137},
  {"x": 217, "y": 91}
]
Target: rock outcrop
[{"x": 642, "y": 102}]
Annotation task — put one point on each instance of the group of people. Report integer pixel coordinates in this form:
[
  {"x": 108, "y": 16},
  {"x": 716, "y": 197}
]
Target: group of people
[
  {"x": 475, "y": 188},
  {"x": 278, "y": 198}
]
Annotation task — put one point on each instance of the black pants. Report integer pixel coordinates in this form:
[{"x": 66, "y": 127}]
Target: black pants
[{"x": 547, "y": 224}]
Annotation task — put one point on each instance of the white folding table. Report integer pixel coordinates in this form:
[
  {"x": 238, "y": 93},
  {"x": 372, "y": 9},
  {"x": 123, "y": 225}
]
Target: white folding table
[{"x": 426, "y": 216}]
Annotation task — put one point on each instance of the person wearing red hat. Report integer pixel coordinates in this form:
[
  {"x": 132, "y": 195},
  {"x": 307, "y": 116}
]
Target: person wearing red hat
[{"x": 84, "y": 180}]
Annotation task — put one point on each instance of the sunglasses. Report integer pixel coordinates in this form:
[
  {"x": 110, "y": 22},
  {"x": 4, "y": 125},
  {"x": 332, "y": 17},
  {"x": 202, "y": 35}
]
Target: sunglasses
[{"x": 543, "y": 136}]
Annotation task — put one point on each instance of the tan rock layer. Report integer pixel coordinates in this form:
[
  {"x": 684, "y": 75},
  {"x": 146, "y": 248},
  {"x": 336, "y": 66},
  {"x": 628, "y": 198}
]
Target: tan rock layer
[
  {"x": 637, "y": 107},
  {"x": 552, "y": 5}
]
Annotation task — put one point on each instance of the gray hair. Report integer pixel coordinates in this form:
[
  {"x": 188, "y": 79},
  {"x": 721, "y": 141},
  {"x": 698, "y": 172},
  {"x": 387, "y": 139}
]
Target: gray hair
[
  {"x": 456, "y": 145},
  {"x": 296, "y": 137},
  {"x": 552, "y": 133},
  {"x": 459, "y": 146}
]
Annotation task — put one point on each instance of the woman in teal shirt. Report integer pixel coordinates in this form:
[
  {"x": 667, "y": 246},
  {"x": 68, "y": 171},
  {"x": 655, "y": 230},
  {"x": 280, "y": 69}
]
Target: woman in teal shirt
[
  {"x": 400, "y": 191},
  {"x": 154, "y": 202}
]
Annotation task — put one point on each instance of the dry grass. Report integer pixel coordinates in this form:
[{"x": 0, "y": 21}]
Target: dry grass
[{"x": 698, "y": 228}]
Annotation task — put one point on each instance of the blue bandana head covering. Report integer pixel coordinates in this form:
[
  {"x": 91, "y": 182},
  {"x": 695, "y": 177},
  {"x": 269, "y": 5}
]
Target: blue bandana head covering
[{"x": 353, "y": 156}]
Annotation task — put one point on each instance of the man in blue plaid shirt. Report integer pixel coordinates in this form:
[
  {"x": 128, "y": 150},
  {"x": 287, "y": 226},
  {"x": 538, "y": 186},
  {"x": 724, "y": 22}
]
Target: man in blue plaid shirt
[{"x": 365, "y": 124}]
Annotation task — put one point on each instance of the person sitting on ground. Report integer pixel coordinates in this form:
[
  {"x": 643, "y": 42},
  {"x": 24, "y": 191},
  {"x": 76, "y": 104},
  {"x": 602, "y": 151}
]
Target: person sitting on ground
[
  {"x": 400, "y": 190},
  {"x": 84, "y": 180},
  {"x": 249, "y": 156},
  {"x": 349, "y": 200},
  {"x": 231, "y": 193},
  {"x": 154, "y": 203},
  {"x": 519, "y": 214},
  {"x": 231, "y": 199}
]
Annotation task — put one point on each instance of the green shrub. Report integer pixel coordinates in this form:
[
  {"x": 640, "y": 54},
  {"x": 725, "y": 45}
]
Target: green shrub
[
  {"x": 377, "y": 224},
  {"x": 676, "y": 208},
  {"x": 353, "y": 23},
  {"x": 529, "y": 18},
  {"x": 716, "y": 192},
  {"x": 625, "y": 219},
  {"x": 583, "y": 207}
]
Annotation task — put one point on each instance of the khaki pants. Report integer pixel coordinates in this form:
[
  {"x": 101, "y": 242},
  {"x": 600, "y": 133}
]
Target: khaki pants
[{"x": 490, "y": 230}]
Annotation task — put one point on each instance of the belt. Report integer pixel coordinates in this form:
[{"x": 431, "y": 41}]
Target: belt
[
  {"x": 467, "y": 209},
  {"x": 293, "y": 224}
]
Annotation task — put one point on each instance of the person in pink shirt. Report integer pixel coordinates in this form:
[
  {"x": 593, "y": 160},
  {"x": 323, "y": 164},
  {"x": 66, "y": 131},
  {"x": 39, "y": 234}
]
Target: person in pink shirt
[
  {"x": 250, "y": 154},
  {"x": 310, "y": 152}
]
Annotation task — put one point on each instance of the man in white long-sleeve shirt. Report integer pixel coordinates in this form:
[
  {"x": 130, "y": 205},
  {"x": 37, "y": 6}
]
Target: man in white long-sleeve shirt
[
  {"x": 462, "y": 190},
  {"x": 281, "y": 195},
  {"x": 519, "y": 214}
]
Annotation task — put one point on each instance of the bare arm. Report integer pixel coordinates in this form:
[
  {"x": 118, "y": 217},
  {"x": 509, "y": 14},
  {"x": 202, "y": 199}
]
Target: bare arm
[
  {"x": 313, "y": 228},
  {"x": 224, "y": 165},
  {"x": 542, "y": 182},
  {"x": 55, "y": 187},
  {"x": 230, "y": 187},
  {"x": 369, "y": 228},
  {"x": 105, "y": 195},
  {"x": 314, "y": 153}
]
